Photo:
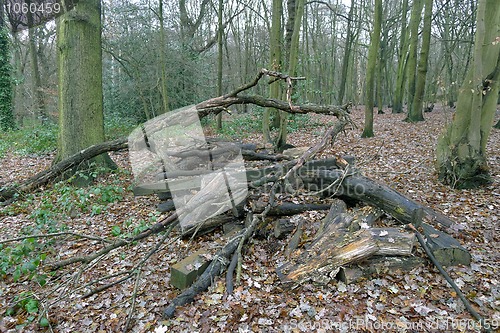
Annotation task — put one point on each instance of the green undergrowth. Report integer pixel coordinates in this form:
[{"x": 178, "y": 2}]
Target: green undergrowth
[
  {"x": 32, "y": 139},
  {"x": 39, "y": 139},
  {"x": 45, "y": 213}
]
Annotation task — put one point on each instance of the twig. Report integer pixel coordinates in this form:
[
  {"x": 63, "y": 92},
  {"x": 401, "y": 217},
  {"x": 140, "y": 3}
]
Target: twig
[
  {"x": 134, "y": 297},
  {"x": 452, "y": 283}
]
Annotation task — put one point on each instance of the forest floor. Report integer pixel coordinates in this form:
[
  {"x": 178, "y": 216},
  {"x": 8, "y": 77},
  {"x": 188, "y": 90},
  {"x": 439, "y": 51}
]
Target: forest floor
[{"x": 401, "y": 155}]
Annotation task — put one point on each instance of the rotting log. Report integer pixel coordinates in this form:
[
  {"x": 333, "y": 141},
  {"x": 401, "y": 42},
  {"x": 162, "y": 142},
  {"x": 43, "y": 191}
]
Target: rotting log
[
  {"x": 331, "y": 248},
  {"x": 446, "y": 249},
  {"x": 370, "y": 192},
  {"x": 289, "y": 208},
  {"x": 393, "y": 241},
  {"x": 378, "y": 266},
  {"x": 161, "y": 186},
  {"x": 326, "y": 256}
]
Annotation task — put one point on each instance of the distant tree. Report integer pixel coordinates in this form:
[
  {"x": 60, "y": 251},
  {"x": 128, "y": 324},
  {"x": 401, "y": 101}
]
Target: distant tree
[
  {"x": 7, "y": 121},
  {"x": 416, "y": 112},
  {"x": 276, "y": 39},
  {"x": 80, "y": 80},
  {"x": 293, "y": 59},
  {"x": 461, "y": 150},
  {"x": 397, "y": 103},
  {"x": 370, "y": 70},
  {"x": 163, "y": 60},
  {"x": 220, "y": 35},
  {"x": 39, "y": 102},
  {"x": 411, "y": 66},
  {"x": 347, "y": 52}
]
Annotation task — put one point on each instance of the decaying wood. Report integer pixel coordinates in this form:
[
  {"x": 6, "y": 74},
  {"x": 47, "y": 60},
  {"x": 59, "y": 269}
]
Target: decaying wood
[
  {"x": 331, "y": 248},
  {"x": 327, "y": 255},
  {"x": 289, "y": 208},
  {"x": 446, "y": 249},
  {"x": 338, "y": 207},
  {"x": 293, "y": 244},
  {"x": 393, "y": 241},
  {"x": 364, "y": 189},
  {"x": 378, "y": 266}
]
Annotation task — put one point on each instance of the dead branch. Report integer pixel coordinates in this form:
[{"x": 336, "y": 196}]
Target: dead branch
[
  {"x": 51, "y": 174},
  {"x": 56, "y": 234}
]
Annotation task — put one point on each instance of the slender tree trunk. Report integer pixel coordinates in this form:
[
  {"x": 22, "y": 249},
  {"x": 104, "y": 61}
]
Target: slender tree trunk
[
  {"x": 292, "y": 64},
  {"x": 275, "y": 48},
  {"x": 347, "y": 54},
  {"x": 370, "y": 70},
  {"x": 80, "y": 80},
  {"x": 219, "y": 58},
  {"x": 7, "y": 121},
  {"x": 39, "y": 102},
  {"x": 397, "y": 103},
  {"x": 416, "y": 112},
  {"x": 461, "y": 150},
  {"x": 412, "y": 57},
  {"x": 163, "y": 60}
]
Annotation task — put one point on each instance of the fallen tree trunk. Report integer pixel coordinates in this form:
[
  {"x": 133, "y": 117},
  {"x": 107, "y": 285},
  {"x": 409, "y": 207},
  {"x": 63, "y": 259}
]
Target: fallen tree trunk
[
  {"x": 370, "y": 192},
  {"x": 51, "y": 174}
]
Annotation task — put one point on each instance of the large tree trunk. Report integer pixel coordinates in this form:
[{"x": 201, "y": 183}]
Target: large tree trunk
[
  {"x": 81, "y": 121},
  {"x": 461, "y": 150},
  {"x": 416, "y": 113},
  {"x": 370, "y": 70}
]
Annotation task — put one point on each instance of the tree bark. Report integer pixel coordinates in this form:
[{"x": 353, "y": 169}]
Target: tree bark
[
  {"x": 162, "y": 59},
  {"x": 81, "y": 120},
  {"x": 220, "y": 32},
  {"x": 397, "y": 104},
  {"x": 275, "y": 64},
  {"x": 415, "y": 113},
  {"x": 461, "y": 149},
  {"x": 370, "y": 70},
  {"x": 7, "y": 120},
  {"x": 347, "y": 53},
  {"x": 412, "y": 56}
]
